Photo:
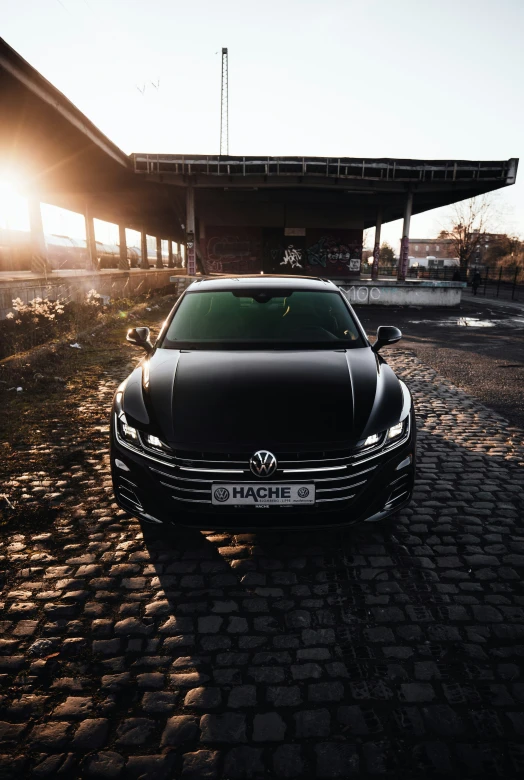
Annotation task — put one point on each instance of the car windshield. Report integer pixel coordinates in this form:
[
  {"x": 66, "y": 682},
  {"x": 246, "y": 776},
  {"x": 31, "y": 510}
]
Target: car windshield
[{"x": 262, "y": 318}]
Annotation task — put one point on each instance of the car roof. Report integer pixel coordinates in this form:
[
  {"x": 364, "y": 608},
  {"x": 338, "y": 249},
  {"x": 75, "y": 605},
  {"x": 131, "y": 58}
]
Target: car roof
[{"x": 227, "y": 283}]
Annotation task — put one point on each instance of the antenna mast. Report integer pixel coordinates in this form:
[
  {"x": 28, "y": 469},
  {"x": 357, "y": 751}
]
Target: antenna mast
[{"x": 224, "y": 108}]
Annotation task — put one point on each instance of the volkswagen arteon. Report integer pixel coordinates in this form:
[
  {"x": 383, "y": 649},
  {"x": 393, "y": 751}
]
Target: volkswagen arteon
[{"x": 262, "y": 404}]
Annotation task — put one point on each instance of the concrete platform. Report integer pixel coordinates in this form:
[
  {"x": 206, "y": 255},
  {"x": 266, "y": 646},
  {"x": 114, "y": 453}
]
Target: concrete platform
[
  {"x": 70, "y": 284},
  {"x": 412, "y": 292},
  {"x": 73, "y": 284}
]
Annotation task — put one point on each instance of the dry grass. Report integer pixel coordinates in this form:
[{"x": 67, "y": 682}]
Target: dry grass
[{"x": 58, "y": 383}]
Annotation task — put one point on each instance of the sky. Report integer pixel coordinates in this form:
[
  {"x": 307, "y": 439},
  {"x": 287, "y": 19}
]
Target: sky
[{"x": 375, "y": 78}]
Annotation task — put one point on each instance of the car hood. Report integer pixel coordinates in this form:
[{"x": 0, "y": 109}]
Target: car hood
[{"x": 245, "y": 400}]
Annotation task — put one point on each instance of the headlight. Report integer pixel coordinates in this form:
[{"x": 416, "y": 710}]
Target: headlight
[
  {"x": 385, "y": 437},
  {"x": 128, "y": 432},
  {"x": 131, "y": 435},
  {"x": 396, "y": 431},
  {"x": 157, "y": 443},
  {"x": 125, "y": 431}
]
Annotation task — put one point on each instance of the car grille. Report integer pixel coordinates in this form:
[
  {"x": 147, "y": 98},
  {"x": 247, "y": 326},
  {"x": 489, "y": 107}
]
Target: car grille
[{"x": 338, "y": 475}]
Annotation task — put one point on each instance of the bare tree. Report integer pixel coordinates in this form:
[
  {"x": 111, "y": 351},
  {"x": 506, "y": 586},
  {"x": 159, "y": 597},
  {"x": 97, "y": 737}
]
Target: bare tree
[
  {"x": 468, "y": 224},
  {"x": 366, "y": 238}
]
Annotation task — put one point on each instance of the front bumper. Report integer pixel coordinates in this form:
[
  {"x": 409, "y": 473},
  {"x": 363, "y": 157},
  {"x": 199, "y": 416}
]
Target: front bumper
[{"x": 145, "y": 489}]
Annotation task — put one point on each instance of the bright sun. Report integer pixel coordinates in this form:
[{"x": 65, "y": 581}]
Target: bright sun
[{"x": 13, "y": 205}]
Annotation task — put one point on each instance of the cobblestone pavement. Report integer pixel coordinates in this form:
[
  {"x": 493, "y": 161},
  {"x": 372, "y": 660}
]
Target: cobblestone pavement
[
  {"x": 390, "y": 650},
  {"x": 478, "y": 346}
]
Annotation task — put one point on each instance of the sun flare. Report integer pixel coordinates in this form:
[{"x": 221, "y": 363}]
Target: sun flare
[{"x": 13, "y": 205}]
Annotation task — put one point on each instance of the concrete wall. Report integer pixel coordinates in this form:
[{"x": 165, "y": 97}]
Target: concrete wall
[
  {"x": 127, "y": 284},
  {"x": 327, "y": 252},
  {"x": 409, "y": 293},
  {"x": 74, "y": 285}
]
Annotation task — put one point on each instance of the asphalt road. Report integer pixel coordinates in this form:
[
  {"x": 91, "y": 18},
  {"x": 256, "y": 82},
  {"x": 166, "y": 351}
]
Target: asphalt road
[{"x": 478, "y": 346}]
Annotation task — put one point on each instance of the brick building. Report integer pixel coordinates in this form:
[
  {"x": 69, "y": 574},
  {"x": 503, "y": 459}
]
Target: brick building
[
  {"x": 487, "y": 242},
  {"x": 441, "y": 252},
  {"x": 432, "y": 252}
]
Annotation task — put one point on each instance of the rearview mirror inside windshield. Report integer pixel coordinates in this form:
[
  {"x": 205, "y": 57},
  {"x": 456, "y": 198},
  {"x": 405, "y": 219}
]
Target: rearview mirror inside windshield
[{"x": 262, "y": 296}]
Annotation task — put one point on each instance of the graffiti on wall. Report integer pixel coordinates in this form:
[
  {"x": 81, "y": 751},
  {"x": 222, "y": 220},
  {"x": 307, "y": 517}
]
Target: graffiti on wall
[
  {"x": 231, "y": 250},
  {"x": 328, "y": 250},
  {"x": 334, "y": 253},
  {"x": 366, "y": 294},
  {"x": 292, "y": 257}
]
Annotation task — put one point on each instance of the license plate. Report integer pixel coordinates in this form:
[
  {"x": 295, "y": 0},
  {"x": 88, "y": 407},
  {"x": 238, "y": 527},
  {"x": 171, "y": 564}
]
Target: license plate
[{"x": 258, "y": 494}]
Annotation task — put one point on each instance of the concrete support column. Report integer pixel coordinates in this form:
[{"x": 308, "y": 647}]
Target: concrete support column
[
  {"x": 123, "y": 262},
  {"x": 159, "y": 260},
  {"x": 201, "y": 247},
  {"x": 403, "y": 260},
  {"x": 170, "y": 258},
  {"x": 376, "y": 248},
  {"x": 190, "y": 230},
  {"x": 144, "y": 262},
  {"x": 39, "y": 258},
  {"x": 91, "y": 240}
]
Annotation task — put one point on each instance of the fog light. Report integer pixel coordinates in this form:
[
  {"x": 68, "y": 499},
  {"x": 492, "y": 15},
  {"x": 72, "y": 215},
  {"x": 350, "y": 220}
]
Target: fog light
[
  {"x": 121, "y": 465},
  {"x": 404, "y": 463}
]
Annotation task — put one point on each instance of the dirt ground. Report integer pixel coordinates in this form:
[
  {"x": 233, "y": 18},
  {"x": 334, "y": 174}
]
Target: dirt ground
[{"x": 48, "y": 424}]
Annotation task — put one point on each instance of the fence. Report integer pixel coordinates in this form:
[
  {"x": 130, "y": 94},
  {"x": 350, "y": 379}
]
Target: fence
[{"x": 496, "y": 282}]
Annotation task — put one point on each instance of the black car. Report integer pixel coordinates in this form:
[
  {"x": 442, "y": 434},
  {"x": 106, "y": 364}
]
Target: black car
[{"x": 262, "y": 404}]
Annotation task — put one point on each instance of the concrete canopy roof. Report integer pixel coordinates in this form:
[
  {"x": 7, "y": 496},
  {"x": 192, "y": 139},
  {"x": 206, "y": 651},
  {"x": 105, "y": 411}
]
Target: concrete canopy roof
[
  {"x": 69, "y": 162},
  {"x": 347, "y": 184}
]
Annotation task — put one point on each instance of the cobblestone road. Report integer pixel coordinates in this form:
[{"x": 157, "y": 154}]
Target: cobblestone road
[{"x": 394, "y": 650}]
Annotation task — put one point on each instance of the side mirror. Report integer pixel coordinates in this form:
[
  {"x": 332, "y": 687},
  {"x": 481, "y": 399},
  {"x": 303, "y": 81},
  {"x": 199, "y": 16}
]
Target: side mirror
[
  {"x": 140, "y": 337},
  {"x": 386, "y": 334}
]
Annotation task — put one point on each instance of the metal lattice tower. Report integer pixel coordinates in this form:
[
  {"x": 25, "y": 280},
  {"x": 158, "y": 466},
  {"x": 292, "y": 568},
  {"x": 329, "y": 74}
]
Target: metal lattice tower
[{"x": 224, "y": 107}]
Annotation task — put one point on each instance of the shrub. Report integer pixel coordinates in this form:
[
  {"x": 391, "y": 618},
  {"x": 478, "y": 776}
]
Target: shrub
[{"x": 41, "y": 320}]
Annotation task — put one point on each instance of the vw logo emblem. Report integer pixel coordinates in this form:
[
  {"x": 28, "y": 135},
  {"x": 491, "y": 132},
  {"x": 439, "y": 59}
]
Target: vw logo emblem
[
  {"x": 263, "y": 463},
  {"x": 303, "y": 492},
  {"x": 221, "y": 494}
]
